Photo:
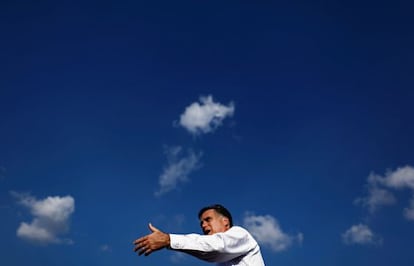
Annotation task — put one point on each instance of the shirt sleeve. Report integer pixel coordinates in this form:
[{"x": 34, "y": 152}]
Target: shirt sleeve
[{"x": 219, "y": 247}]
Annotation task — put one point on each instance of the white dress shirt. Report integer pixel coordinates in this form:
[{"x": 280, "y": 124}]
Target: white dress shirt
[{"x": 235, "y": 247}]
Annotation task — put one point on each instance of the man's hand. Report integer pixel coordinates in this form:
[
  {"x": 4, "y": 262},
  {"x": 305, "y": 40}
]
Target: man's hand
[{"x": 152, "y": 242}]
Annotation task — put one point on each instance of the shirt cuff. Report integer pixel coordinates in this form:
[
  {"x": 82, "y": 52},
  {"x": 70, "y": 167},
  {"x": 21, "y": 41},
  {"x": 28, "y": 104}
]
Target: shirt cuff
[{"x": 176, "y": 241}]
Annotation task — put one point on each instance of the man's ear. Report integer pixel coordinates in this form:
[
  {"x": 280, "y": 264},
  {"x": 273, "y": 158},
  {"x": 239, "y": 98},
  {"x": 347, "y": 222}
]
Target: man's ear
[{"x": 226, "y": 221}]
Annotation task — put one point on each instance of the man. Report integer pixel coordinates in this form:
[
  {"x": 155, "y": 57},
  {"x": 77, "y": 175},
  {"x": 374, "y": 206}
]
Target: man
[{"x": 222, "y": 242}]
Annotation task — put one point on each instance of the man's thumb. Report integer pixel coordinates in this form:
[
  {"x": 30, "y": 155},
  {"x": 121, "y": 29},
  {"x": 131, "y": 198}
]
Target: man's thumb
[{"x": 153, "y": 228}]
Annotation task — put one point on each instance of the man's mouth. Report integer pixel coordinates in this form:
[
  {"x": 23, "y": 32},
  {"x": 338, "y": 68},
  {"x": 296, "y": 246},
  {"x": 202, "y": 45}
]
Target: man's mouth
[{"x": 206, "y": 232}]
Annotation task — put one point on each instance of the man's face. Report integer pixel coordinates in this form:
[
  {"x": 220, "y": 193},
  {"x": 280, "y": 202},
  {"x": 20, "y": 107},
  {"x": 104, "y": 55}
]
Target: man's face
[{"x": 212, "y": 222}]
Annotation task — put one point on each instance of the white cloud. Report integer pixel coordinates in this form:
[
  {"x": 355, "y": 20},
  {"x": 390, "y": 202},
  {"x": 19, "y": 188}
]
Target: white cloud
[
  {"x": 403, "y": 177},
  {"x": 267, "y": 231},
  {"x": 50, "y": 218},
  {"x": 361, "y": 234},
  {"x": 409, "y": 212},
  {"x": 379, "y": 189},
  {"x": 205, "y": 117},
  {"x": 35, "y": 231},
  {"x": 376, "y": 198},
  {"x": 178, "y": 169}
]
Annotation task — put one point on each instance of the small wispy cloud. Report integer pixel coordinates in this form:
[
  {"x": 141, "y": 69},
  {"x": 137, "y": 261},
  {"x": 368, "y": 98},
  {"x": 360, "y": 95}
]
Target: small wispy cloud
[
  {"x": 409, "y": 211},
  {"x": 206, "y": 116},
  {"x": 178, "y": 258},
  {"x": 377, "y": 197},
  {"x": 362, "y": 235},
  {"x": 50, "y": 218},
  {"x": 379, "y": 190},
  {"x": 105, "y": 248},
  {"x": 178, "y": 168},
  {"x": 267, "y": 231}
]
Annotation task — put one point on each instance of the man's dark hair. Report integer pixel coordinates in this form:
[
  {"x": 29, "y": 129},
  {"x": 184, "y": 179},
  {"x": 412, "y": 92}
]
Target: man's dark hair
[{"x": 218, "y": 208}]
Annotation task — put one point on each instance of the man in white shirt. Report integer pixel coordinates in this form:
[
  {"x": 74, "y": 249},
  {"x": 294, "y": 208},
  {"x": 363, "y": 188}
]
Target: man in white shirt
[{"x": 222, "y": 242}]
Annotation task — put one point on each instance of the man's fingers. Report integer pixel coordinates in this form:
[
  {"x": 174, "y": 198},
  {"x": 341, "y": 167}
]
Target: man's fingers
[
  {"x": 139, "y": 240},
  {"x": 137, "y": 247},
  {"x": 140, "y": 243},
  {"x": 141, "y": 251},
  {"x": 144, "y": 250}
]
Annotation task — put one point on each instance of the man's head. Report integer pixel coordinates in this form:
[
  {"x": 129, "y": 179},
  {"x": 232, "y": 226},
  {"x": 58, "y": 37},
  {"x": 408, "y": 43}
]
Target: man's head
[{"x": 215, "y": 219}]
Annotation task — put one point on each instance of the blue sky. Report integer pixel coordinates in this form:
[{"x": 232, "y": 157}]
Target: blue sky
[{"x": 297, "y": 116}]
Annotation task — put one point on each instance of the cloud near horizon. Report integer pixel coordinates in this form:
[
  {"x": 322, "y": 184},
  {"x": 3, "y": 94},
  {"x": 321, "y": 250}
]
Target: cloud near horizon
[
  {"x": 205, "y": 117},
  {"x": 379, "y": 187},
  {"x": 50, "y": 218},
  {"x": 178, "y": 168},
  {"x": 267, "y": 231},
  {"x": 361, "y": 234}
]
